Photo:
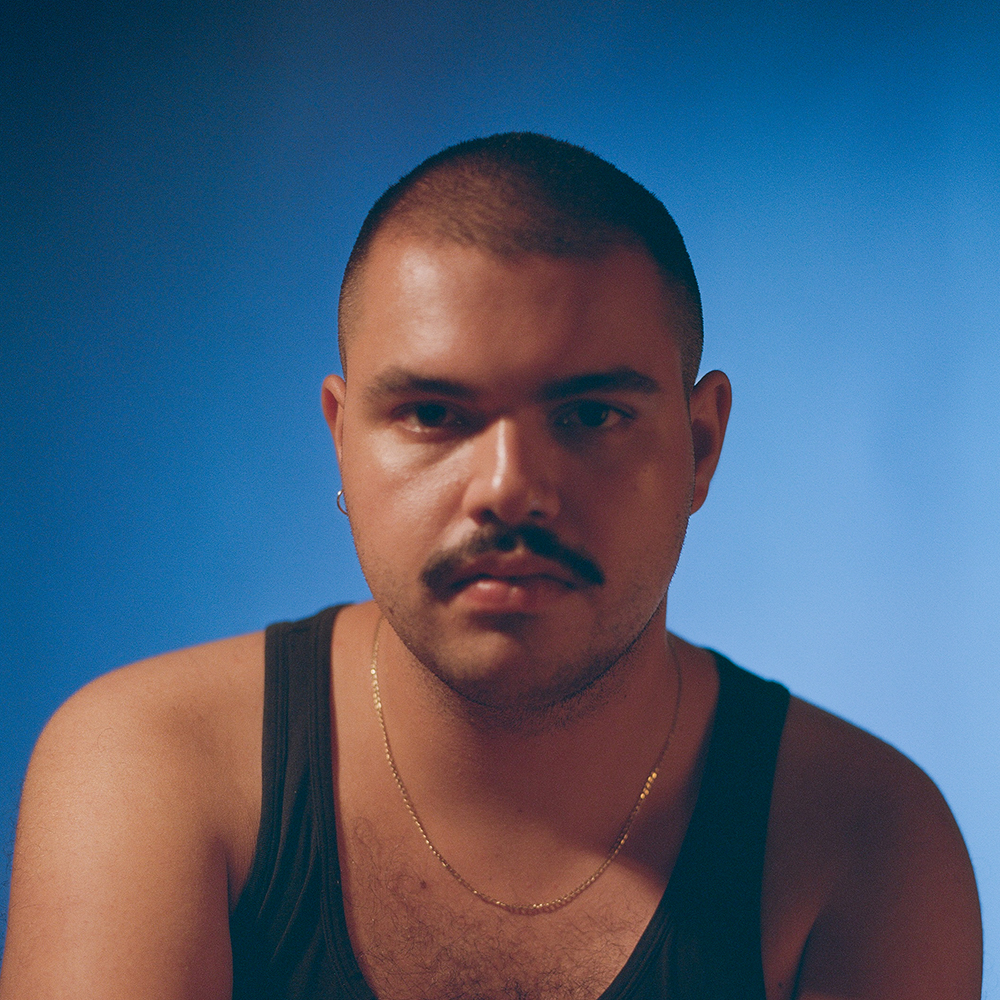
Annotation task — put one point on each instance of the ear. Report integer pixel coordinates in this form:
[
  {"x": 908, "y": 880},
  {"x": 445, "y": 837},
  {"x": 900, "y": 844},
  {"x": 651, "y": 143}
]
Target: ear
[
  {"x": 709, "y": 407},
  {"x": 333, "y": 397}
]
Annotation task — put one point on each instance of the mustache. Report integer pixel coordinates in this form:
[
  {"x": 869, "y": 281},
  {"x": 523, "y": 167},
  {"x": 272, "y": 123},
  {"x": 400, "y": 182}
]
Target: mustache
[{"x": 441, "y": 569}]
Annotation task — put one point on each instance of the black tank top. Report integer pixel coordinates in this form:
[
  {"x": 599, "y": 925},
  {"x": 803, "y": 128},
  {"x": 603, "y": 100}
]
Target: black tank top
[{"x": 289, "y": 931}]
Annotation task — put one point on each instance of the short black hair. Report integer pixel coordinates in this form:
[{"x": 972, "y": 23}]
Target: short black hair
[{"x": 521, "y": 192}]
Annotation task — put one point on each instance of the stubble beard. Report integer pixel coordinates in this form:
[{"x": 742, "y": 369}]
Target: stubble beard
[{"x": 578, "y": 687}]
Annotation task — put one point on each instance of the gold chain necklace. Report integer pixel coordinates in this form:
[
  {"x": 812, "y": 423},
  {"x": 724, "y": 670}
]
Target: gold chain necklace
[{"x": 525, "y": 909}]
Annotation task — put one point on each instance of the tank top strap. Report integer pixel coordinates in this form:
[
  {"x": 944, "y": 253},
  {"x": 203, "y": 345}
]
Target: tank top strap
[
  {"x": 276, "y": 937},
  {"x": 714, "y": 895}
]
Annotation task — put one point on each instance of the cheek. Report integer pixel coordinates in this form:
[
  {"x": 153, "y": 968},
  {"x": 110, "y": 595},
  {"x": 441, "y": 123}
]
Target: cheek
[
  {"x": 645, "y": 514},
  {"x": 402, "y": 504}
]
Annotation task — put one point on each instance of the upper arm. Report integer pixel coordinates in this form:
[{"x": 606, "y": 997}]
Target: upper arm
[
  {"x": 899, "y": 916},
  {"x": 904, "y": 920},
  {"x": 119, "y": 884}
]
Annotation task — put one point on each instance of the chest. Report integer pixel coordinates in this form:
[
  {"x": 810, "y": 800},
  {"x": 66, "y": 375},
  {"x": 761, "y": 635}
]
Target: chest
[{"x": 417, "y": 933}]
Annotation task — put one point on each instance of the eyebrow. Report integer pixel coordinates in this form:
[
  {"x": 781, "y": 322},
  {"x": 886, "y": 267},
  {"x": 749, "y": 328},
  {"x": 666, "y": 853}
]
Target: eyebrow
[
  {"x": 616, "y": 380},
  {"x": 400, "y": 382},
  {"x": 397, "y": 381}
]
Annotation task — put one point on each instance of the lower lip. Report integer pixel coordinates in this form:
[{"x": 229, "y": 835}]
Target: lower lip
[{"x": 512, "y": 595}]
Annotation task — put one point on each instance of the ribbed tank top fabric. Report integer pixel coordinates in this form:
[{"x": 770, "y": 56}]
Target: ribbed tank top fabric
[{"x": 289, "y": 931}]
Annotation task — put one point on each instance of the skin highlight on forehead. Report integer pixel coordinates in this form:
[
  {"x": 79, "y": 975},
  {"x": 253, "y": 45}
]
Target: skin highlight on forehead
[{"x": 680, "y": 316}]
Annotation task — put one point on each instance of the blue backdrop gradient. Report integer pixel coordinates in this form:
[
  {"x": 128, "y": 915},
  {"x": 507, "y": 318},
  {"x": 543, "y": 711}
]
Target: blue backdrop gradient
[{"x": 182, "y": 184}]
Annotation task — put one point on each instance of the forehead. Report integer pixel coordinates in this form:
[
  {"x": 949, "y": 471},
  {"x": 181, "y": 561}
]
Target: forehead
[{"x": 427, "y": 305}]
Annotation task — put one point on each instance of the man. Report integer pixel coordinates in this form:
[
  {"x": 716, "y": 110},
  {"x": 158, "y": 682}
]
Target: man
[{"x": 503, "y": 777}]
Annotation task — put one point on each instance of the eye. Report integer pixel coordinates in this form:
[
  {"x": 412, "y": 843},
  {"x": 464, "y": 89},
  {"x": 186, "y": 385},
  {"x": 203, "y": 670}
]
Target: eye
[
  {"x": 431, "y": 416},
  {"x": 589, "y": 414}
]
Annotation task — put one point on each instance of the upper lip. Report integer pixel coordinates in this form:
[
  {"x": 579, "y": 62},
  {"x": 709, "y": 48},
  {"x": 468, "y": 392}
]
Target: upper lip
[{"x": 511, "y": 566}]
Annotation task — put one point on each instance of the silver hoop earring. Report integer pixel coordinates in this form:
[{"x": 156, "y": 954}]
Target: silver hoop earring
[{"x": 340, "y": 507}]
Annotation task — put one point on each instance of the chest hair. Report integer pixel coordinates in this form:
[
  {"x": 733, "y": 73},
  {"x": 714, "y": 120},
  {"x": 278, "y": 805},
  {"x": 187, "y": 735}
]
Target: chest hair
[{"x": 413, "y": 940}]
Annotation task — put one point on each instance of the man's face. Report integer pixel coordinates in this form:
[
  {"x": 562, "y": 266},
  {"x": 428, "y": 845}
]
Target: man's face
[{"x": 517, "y": 458}]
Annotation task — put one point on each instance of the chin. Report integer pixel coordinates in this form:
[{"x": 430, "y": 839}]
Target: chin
[{"x": 512, "y": 684}]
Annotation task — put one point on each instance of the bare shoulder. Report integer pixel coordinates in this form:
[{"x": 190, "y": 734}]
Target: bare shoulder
[
  {"x": 869, "y": 891},
  {"x": 192, "y": 716},
  {"x": 138, "y": 814}
]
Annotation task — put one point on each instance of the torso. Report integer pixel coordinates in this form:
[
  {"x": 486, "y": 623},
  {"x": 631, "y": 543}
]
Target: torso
[
  {"x": 416, "y": 933},
  {"x": 867, "y": 887},
  {"x": 414, "y": 936}
]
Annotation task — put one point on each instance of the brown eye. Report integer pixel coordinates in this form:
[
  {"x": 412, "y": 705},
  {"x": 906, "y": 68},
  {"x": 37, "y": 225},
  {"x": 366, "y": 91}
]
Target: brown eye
[
  {"x": 593, "y": 414},
  {"x": 432, "y": 414},
  {"x": 589, "y": 414}
]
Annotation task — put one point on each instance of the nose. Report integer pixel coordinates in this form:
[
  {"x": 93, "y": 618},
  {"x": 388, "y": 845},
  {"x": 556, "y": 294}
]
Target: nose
[{"x": 513, "y": 475}]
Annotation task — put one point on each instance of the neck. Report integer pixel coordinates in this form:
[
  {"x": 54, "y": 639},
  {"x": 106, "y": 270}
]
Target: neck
[{"x": 582, "y": 761}]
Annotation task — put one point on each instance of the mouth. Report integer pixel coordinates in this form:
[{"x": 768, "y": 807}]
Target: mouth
[
  {"x": 520, "y": 589},
  {"x": 510, "y": 561},
  {"x": 516, "y": 572}
]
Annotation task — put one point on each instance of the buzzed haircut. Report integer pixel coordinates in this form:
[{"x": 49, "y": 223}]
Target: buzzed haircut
[{"x": 520, "y": 193}]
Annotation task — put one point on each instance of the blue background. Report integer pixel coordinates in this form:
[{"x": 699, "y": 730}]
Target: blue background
[{"x": 182, "y": 184}]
